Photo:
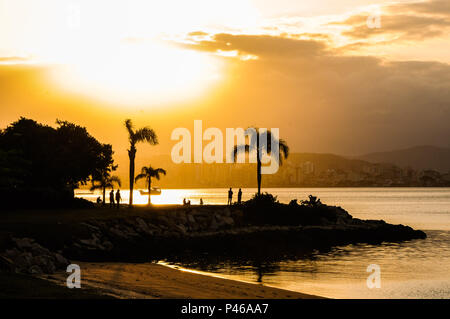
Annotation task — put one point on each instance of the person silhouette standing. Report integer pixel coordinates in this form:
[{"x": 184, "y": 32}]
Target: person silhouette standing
[
  {"x": 230, "y": 196},
  {"x": 239, "y": 196},
  {"x": 118, "y": 198},
  {"x": 111, "y": 199}
]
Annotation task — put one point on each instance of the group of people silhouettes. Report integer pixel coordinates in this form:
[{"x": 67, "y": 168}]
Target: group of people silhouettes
[
  {"x": 230, "y": 196},
  {"x": 112, "y": 203},
  {"x": 114, "y": 199},
  {"x": 187, "y": 202},
  {"x": 118, "y": 198}
]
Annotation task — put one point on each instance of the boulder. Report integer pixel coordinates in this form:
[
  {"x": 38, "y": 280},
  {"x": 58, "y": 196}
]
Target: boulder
[
  {"x": 141, "y": 223},
  {"x": 37, "y": 249},
  {"x": 163, "y": 220},
  {"x": 6, "y": 264},
  {"x": 191, "y": 219},
  {"x": 143, "y": 227},
  {"x": 12, "y": 253},
  {"x": 24, "y": 260},
  {"x": 94, "y": 243},
  {"x": 227, "y": 212},
  {"x": 237, "y": 214},
  {"x": 60, "y": 261},
  {"x": 181, "y": 229},
  {"x": 108, "y": 245},
  {"x": 24, "y": 243},
  {"x": 228, "y": 221},
  {"x": 35, "y": 269},
  {"x": 213, "y": 225},
  {"x": 91, "y": 227},
  {"x": 46, "y": 263},
  {"x": 182, "y": 217},
  {"x": 118, "y": 232}
]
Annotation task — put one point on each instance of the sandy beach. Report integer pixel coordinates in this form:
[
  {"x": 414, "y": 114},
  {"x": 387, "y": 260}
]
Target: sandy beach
[{"x": 154, "y": 281}]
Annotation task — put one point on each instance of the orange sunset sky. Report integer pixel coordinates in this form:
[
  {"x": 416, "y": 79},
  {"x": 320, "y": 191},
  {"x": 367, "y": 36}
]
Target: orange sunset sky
[{"x": 314, "y": 69}]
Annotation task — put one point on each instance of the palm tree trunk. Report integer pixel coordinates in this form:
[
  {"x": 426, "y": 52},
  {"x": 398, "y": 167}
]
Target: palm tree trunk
[
  {"x": 258, "y": 164},
  {"x": 258, "y": 171},
  {"x": 104, "y": 196},
  {"x": 149, "y": 191},
  {"x": 132, "y": 156}
]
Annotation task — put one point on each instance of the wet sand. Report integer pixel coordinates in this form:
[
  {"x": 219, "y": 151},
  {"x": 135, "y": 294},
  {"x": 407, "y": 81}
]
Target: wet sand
[{"x": 153, "y": 281}]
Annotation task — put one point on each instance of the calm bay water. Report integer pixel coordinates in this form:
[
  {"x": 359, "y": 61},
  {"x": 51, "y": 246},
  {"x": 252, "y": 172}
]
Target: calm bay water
[{"x": 413, "y": 269}]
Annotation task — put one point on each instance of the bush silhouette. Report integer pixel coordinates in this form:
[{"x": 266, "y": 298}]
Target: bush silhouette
[{"x": 43, "y": 165}]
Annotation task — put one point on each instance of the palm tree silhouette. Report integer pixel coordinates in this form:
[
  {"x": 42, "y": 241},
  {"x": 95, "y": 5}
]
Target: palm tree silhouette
[
  {"x": 255, "y": 145},
  {"x": 145, "y": 134},
  {"x": 105, "y": 180},
  {"x": 148, "y": 173}
]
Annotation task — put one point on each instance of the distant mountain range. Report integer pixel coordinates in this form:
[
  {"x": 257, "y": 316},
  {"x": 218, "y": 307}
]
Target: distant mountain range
[
  {"x": 418, "y": 157},
  {"x": 326, "y": 169}
]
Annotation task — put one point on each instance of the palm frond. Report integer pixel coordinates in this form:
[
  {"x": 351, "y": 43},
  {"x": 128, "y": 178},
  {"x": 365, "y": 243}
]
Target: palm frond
[
  {"x": 130, "y": 127},
  {"x": 140, "y": 176},
  {"x": 263, "y": 140},
  {"x": 156, "y": 173},
  {"x": 284, "y": 148},
  {"x": 145, "y": 134},
  {"x": 115, "y": 179},
  {"x": 95, "y": 186},
  {"x": 253, "y": 142},
  {"x": 239, "y": 149},
  {"x": 148, "y": 172},
  {"x": 109, "y": 185},
  {"x": 267, "y": 140},
  {"x": 161, "y": 171}
]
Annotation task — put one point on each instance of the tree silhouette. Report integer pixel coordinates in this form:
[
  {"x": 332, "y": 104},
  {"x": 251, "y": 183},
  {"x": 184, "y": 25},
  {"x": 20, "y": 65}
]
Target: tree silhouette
[
  {"x": 256, "y": 145},
  {"x": 145, "y": 134},
  {"x": 148, "y": 173},
  {"x": 46, "y": 164},
  {"x": 104, "y": 180}
]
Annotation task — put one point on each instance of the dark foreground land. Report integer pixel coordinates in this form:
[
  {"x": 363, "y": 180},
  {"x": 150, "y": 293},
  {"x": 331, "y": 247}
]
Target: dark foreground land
[
  {"x": 42, "y": 242},
  {"x": 28, "y": 287}
]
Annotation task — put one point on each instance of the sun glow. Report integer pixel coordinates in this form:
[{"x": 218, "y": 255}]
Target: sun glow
[
  {"x": 120, "y": 51},
  {"x": 139, "y": 73}
]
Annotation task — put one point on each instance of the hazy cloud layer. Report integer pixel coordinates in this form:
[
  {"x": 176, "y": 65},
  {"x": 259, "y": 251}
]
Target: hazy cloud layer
[
  {"x": 13, "y": 59},
  {"x": 260, "y": 45},
  {"x": 411, "y": 21},
  {"x": 438, "y": 7},
  {"x": 317, "y": 94}
]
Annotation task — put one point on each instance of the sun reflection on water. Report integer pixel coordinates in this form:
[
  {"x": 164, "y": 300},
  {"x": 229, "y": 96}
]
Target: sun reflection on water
[{"x": 167, "y": 197}]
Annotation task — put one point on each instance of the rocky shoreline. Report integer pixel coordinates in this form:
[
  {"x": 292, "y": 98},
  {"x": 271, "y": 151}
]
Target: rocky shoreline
[
  {"x": 155, "y": 234},
  {"x": 25, "y": 255}
]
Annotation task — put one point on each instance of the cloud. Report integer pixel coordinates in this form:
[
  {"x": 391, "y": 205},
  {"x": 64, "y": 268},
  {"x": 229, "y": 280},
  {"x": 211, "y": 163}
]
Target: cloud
[
  {"x": 402, "y": 22},
  {"x": 405, "y": 27},
  {"x": 260, "y": 45},
  {"x": 438, "y": 7},
  {"x": 197, "y": 33},
  {"x": 326, "y": 101},
  {"x": 13, "y": 59}
]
